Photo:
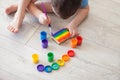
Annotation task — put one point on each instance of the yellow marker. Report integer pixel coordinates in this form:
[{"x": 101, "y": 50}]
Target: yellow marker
[
  {"x": 60, "y": 62},
  {"x": 35, "y": 58}
]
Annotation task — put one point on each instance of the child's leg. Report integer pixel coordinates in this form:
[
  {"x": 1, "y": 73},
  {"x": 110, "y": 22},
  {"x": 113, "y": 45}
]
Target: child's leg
[
  {"x": 46, "y": 4},
  {"x": 34, "y": 10},
  {"x": 19, "y": 16},
  {"x": 12, "y": 8}
]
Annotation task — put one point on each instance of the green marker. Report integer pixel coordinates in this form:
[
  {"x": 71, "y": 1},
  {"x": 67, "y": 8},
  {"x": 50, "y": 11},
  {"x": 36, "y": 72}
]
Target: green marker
[
  {"x": 50, "y": 56},
  {"x": 55, "y": 66}
]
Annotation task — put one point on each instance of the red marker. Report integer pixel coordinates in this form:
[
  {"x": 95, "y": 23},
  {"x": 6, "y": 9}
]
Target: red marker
[
  {"x": 71, "y": 53},
  {"x": 79, "y": 40}
]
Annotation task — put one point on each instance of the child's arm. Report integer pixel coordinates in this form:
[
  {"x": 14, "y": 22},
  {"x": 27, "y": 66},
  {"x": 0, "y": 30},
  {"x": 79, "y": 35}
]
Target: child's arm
[
  {"x": 43, "y": 19},
  {"x": 80, "y": 16}
]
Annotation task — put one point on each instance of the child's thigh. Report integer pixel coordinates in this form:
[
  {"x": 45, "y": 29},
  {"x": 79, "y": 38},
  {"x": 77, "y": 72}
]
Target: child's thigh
[
  {"x": 46, "y": 4},
  {"x": 34, "y": 1}
]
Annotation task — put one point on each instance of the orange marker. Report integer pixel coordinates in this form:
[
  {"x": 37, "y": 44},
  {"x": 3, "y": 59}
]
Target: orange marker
[
  {"x": 74, "y": 43},
  {"x": 65, "y": 57},
  {"x": 35, "y": 58}
]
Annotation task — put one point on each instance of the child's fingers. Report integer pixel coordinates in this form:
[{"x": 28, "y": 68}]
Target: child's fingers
[
  {"x": 45, "y": 20},
  {"x": 73, "y": 33},
  {"x": 48, "y": 20}
]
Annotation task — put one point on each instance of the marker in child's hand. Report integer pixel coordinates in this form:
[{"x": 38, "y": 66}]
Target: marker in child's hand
[
  {"x": 50, "y": 29},
  {"x": 45, "y": 12}
]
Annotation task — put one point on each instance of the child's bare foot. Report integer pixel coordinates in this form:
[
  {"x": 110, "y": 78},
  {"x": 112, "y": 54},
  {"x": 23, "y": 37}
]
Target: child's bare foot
[
  {"x": 11, "y": 9},
  {"x": 14, "y": 26}
]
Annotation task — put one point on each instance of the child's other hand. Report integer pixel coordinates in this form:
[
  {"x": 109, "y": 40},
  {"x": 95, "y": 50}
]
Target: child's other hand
[
  {"x": 73, "y": 29},
  {"x": 43, "y": 19}
]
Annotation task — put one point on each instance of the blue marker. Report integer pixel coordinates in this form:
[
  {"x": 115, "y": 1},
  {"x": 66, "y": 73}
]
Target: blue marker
[{"x": 43, "y": 35}]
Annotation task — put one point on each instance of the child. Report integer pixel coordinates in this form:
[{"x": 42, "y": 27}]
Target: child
[{"x": 62, "y": 8}]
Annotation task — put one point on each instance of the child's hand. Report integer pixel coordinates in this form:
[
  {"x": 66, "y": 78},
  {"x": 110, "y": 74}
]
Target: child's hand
[
  {"x": 43, "y": 19},
  {"x": 73, "y": 29}
]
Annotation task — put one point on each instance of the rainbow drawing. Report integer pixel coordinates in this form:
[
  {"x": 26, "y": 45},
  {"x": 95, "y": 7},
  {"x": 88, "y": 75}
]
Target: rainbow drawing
[{"x": 61, "y": 35}]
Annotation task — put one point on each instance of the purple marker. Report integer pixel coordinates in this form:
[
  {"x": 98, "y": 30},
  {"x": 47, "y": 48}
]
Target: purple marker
[
  {"x": 40, "y": 68},
  {"x": 45, "y": 12},
  {"x": 45, "y": 43}
]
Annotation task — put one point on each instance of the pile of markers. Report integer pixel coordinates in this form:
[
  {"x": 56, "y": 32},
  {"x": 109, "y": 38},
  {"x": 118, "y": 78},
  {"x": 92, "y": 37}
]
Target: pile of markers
[
  {"x": 55, "y": 65},
  {"x": 66, "y": 57},
  {"x": 43, "y": 38}
]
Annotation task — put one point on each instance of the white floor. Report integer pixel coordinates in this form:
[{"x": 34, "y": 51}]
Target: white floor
[{"x": 97, "y": 59}]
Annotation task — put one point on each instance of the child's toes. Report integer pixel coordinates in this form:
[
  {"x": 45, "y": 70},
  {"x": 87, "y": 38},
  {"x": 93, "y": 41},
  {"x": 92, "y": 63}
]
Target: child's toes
[
  {"x": 9, "y": 27},
  {"x": 12, "y": 30},
  {"x": 7, "y": 11},
  {"x": 16, "y": 30}
]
